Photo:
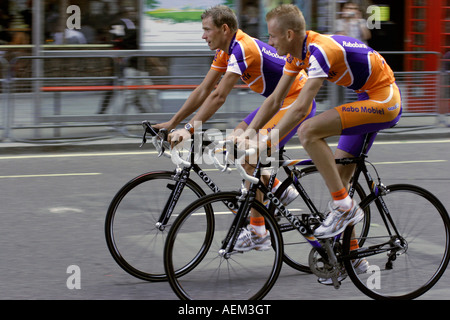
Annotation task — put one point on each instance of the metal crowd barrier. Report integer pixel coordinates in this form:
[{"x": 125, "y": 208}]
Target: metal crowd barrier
[
  {"x": 4, "y": 94},
  {"x": 29, "y": 105},
  {"x": 63, "y": 102},
  {"x": 58, "y": 98}
]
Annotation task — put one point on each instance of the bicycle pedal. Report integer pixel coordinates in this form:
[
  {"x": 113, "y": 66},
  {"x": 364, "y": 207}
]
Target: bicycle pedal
[
  {"x": 311, "y": 221},
  {"x": 336, "y": 282}
]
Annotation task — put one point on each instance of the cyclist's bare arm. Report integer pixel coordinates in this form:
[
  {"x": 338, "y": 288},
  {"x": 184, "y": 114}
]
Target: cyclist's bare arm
[
  {"x": 270, "y": 106},
  {"x": 217, "y": 98},
  {"x": 194, "y": 101},
  {"x": 212, "y": 103},
  {"x": 299, "y": 107}
]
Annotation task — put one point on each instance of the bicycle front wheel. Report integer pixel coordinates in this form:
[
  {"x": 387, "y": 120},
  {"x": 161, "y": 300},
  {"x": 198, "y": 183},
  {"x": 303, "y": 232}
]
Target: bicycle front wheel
[
  {"x": 133, "y": 236},
  {"x": 239, "y": 275},
  {"x": 407, "y": 246}
]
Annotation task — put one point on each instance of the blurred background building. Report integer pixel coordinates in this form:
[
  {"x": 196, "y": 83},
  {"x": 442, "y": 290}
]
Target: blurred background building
[
  {"x": 419, "y": 25},
  {"x": 406, "y": 25},
  {"x": 59, "y": 50}
]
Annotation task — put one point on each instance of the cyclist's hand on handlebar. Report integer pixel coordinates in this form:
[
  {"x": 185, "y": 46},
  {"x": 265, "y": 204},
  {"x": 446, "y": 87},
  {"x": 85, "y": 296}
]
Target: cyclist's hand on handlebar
[
  {"x": 165, "y": 125},
  {"x": 178, "y": 136},
  {"x": 245, "y": 143},
  {"x": 233, "y": 137},
  {"x": 259, "y": 143}
]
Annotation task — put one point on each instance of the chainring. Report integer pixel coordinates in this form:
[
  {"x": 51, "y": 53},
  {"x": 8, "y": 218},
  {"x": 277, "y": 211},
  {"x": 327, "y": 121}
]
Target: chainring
[{"x": 322, "y": 268}]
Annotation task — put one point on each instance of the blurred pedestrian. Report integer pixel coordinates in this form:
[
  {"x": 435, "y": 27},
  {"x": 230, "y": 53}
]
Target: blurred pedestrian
[
  {"x": 125, "y": 37},
  {"x": 352, "y": 23}
]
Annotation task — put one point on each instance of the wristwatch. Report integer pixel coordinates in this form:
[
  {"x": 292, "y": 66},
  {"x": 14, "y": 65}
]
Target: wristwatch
[{"x": 189, "y": 127}]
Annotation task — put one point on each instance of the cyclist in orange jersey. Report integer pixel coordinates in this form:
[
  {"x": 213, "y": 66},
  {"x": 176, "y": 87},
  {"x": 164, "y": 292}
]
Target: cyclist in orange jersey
[
  {"x": 239, "y": 56},
  {"x": 346, "y": 62}
]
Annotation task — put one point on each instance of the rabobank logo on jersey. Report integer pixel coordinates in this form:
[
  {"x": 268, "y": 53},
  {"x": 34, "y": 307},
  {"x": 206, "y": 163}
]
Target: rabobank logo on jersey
[
  {"x": 272, "y": 54},
  {"x": 354, "y": 44}
]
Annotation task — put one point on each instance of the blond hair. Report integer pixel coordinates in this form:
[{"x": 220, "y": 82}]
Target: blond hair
[
  {"x": 221, "y": 15},
  {"x": 288, "y": 16}
]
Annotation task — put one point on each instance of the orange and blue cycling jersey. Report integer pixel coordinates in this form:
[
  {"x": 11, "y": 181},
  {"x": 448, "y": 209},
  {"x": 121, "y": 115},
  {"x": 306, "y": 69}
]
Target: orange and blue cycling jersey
[
  {"x": 258, "y": 64},
  {"x": 348, "y": 62},
  {"x": 342, "y": 60},
  {"x": 260, "y": 67}
]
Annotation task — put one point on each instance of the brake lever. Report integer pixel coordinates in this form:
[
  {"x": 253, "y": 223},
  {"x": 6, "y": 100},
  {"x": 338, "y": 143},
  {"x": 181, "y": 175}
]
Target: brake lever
[
  {"x": 144, "y": 138},
  {"x": 227, "y": 164},
  {"x": 163, "y": 134},
  {"x": 147, "y": 129}
]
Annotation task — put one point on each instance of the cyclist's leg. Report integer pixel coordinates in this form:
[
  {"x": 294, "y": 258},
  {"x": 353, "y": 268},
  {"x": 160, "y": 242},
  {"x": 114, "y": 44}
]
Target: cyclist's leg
[
  {"x": 312, "y": 134},
  {"x": 256, "y": 220},
  {"x": 290, "y": 194},
  {"x": 352, "y": 137},
  {"x": 287, "y": 104},
  {"x": 371, "y": 113},
  {"x": 350, "y": 146}
]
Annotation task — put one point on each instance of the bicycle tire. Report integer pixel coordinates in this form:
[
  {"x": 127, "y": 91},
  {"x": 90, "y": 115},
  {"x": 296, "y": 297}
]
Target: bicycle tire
[
  {"x": 418, "y": 260},
  {"x": 214, "y": 276},
  {"x": 133, "y": 240},
  {"x": 296, "y": 248}
]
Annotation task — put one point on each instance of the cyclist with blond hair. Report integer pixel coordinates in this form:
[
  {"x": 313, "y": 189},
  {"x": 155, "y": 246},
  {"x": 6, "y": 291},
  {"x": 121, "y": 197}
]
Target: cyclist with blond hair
[{"x": 343, "y": 61}]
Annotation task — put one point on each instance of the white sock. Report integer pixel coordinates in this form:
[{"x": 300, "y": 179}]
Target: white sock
[
  {"x": 261, "y": 230},
  {"x": 345, "y": 203}
]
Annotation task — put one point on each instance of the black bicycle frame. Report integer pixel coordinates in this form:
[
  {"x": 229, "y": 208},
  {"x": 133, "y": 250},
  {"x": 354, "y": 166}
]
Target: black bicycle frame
[
  {"x": 181, "y": 176},
  {"x": 295, "y": 222},
  {"x": 244, "y": 210}
]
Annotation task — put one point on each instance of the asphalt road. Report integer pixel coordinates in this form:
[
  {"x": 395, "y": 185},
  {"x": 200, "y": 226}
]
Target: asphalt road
[{"x": 53, "y": 207}]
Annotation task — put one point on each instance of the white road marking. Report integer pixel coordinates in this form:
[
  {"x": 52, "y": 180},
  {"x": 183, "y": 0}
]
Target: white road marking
[
  {"x": 51, "y": 175},
  {"x": 106, "y": 154}
]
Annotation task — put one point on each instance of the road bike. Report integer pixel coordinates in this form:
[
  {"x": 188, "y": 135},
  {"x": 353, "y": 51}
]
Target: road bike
[
  {"x": 404, "y": 238},
  {"x": 142, "y": 211}
]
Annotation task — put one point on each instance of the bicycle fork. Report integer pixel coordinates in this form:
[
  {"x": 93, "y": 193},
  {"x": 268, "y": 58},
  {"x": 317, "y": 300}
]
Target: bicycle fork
[
  {"x": 180, "y": 178},
  {"x": 244, "y": 204}
]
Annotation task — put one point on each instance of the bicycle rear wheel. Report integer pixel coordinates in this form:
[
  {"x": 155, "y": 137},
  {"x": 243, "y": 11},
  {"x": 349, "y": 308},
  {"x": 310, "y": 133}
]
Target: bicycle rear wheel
[
  {"x": 133, "y": 238},
  {"x": 242, "y": 275},
  {"x": 406, "y": 264},
  {"x": 296, "y": 247}
]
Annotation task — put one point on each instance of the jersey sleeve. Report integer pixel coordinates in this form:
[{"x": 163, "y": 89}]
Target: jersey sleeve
[
  {"x": 319, "y": 65},
  {"x": 234, "y": 66},
  {"x": 292, "y": 67},
  {"x": 241, "y": 57},
  {"x": 220, "y": 62}
]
